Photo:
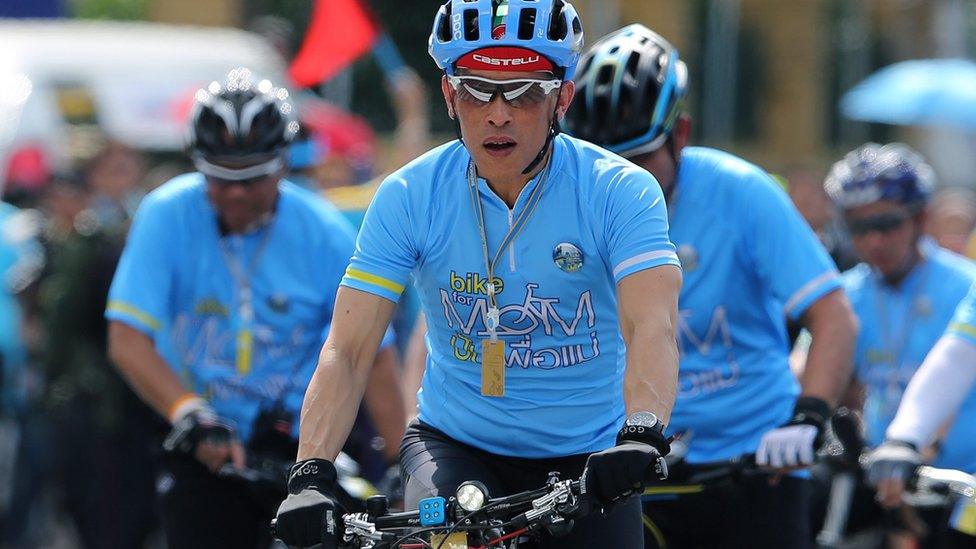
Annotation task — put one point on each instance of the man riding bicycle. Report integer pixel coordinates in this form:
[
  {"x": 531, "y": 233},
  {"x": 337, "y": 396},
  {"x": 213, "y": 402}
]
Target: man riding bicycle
[
  {"x": 942, "y": 392},
  {"x": 749, "y": 261},
  {"x": 537, "y": 258},
  {"x": 219, "y": 305},
  {"x": 905, "y": 291}
]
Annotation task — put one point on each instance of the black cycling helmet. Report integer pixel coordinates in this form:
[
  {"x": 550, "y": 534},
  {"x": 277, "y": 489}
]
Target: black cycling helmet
[
  {"x": 630, "y": 88},
  {"x": 246, "y": 123}
]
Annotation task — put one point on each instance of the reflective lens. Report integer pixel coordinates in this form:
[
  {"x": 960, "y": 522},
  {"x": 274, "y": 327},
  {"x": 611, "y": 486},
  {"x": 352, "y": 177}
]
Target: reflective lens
[
  {"x": 517, "y": 93},
  {"x": 883, "y": 223}
]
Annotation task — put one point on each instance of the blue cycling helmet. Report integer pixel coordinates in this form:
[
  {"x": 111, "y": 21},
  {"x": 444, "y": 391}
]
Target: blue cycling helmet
[
  {"x": 629, "y": 92},
  {"x": 873, "y": 172},
  {"x": 550, "y": 28}
]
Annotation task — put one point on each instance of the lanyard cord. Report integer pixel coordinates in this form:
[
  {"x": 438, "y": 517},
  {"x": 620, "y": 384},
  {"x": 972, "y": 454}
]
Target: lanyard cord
[
  {"x": 896, "y": 347},
  {"x": 513, "y": 231}
]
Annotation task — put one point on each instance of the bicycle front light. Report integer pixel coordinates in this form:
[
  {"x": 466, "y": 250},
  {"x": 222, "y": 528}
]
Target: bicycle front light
[{"x": 471, "y": 495}]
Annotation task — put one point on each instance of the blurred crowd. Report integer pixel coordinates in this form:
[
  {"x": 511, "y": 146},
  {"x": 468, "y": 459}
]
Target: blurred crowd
[{"x": 75, "y": 440}]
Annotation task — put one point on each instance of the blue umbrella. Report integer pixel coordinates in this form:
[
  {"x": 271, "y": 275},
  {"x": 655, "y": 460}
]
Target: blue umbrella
[{"x": 931, "y": 92}]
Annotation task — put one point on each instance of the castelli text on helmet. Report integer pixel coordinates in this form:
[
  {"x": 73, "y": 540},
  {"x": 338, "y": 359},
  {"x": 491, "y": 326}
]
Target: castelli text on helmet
[{"x": 506, "y": 62}]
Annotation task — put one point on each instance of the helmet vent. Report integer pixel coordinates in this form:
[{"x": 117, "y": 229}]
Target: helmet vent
[
  {"x": 631, "y": 67},
  {"x": 444, "y": 25},
  {"x": 471, "y": 31},
  {"x": 526, "y": 25},
  {"x": 557, "y": 23}
]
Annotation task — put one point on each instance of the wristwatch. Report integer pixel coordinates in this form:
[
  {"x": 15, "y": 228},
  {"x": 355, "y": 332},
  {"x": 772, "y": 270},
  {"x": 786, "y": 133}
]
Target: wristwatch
[{"x": 641, "y": 422}]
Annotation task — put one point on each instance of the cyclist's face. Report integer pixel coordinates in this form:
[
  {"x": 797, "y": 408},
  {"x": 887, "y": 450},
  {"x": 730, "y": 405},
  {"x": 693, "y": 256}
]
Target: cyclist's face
[
  {"x": 503, "y": 138},
  {"x": 885, "y": 235},
  {"x": 663, "y": 162},
  {"x": 241, "y": 203}
]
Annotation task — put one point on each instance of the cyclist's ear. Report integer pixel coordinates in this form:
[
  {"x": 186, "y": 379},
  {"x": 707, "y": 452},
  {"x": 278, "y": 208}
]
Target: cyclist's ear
[
  {"x": 448, "y": 93},
  {"x": 681, "y": 133},
  {"x": 566, "y": 93}
]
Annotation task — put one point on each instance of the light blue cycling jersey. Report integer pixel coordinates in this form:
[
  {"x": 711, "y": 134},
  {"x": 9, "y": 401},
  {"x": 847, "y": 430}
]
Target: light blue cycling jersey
[
  {"x": 599, "y": 219},
  {"x": 898, "y": 328},
  {"x": 959, "y": 444},
  {"x": 175, "y": 282},
  {"x": 749, "y": 261}
]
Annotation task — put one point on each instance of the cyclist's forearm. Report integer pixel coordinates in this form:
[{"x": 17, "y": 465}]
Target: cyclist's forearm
[
  {"x": 135, "y": 355},
  {"x": 331, "y": 402},
  {"x": 650, "y": 383},
  {"x": 936, "y": 391},
  {"x": 385, "y": 402},
  {"x": 648, "y": 303},
  {"x": 833, "y": 329}
]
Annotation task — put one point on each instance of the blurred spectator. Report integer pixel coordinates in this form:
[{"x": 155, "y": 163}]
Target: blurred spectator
[
  {"x": 951, "y": 218},
  {"x": 115, "y": 175},
  {"x": 102, "y": 436},
  {"x": 28, "y": 170},
  {"x": 86, "y": 436}
]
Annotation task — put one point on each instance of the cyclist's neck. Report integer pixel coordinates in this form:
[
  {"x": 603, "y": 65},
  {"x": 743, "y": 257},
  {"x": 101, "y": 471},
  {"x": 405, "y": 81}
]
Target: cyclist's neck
[
  {"x": 896, "y": 277},
  {"x": 509, "y": 188}
]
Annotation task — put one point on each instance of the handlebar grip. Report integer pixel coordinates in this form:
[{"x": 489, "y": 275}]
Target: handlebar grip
[{"x": 847, "y": 429}]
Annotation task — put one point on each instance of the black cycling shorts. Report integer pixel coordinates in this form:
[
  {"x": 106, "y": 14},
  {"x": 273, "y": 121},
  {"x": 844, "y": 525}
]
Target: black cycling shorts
[{"x": 435, "y": 464}]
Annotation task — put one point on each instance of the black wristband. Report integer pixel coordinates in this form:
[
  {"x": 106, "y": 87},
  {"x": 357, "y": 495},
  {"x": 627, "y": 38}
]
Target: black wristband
[
  {"x": 811, "y": 411},
  {"x": 653, "y": 437},
  {"x": 312, "y": 473}
]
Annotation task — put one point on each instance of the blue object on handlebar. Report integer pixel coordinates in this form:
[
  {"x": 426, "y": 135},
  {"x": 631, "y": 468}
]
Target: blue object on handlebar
[{"x": 432, "y": 511}]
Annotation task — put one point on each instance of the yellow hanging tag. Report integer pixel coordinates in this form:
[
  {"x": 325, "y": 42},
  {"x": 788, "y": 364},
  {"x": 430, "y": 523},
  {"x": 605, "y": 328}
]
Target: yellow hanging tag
[
  {"x": 492, "y": 367},
  {"x": 245, "y": 343},
  {"x": 964, "y": 516},
  {"x": 457, "y": 540}
]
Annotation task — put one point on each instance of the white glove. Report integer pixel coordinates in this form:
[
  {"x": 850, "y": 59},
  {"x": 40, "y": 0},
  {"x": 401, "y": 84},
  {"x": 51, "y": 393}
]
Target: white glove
[
  {"x": 892, "y": 460},
  {"x": 788, "y": 446}
]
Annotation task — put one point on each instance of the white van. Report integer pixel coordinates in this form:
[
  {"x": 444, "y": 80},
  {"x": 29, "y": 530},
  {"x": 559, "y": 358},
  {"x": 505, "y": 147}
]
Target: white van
[{"x": 134, "y": 82}]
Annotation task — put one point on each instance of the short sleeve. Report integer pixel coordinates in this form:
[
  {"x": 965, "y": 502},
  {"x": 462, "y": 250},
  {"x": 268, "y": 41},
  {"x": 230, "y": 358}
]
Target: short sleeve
[
  {"x": 385, "y": 252},
  {"x": 140, "y": 292},
  {"x": 788, "y": 256},
  {"x": 636, "y": 224},
  {"x": 963, "y": 323}
]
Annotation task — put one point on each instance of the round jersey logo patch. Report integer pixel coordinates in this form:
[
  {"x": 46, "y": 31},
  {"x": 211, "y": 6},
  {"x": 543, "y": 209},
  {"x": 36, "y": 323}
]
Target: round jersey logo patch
[{"x": 567, "y": 257}]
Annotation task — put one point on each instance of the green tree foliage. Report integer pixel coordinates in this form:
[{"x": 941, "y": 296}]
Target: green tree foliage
[{"x": 125, "y": 10}]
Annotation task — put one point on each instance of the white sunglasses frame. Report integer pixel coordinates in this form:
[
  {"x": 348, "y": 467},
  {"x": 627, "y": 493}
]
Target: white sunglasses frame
[{"x": 547, "y": 86}]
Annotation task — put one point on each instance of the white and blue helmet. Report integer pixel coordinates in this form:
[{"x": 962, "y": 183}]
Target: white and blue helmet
[
  {"x": 549, "y": 28},
  {"x": 874, "y": 172}
]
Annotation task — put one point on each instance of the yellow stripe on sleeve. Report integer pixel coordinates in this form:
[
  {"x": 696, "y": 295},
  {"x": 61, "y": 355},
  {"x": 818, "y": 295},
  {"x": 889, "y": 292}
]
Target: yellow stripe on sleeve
[
  {"x": 125, "y": 308},
  {"x": 368, "y": 278},
  {"x": 963, "y": 328}
]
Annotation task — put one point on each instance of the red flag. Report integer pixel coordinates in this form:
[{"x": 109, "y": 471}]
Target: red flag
[{"x": 341, "y": 31}]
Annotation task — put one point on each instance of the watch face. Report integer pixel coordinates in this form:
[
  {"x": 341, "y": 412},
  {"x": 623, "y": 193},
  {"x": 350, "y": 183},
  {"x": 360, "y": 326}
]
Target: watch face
[{"x": 642, "y": 419}]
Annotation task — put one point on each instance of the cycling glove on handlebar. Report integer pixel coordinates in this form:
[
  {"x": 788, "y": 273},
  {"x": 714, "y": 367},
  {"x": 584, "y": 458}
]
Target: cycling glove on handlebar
[{"x": 308, "y": 516}]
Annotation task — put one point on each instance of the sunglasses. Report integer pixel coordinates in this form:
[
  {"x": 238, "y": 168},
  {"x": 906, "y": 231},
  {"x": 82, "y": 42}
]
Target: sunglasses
[
  {"x": 246, "y": 177},
  {"x": 882, "y": 223},
  {"x": 521, "y": 92}
]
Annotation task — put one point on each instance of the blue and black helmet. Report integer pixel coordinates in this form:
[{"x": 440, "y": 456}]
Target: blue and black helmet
[
  {"x": 874, "y": 172},
  {"x": 629, "y": 92},
  {"x": 550, "y": 28}
]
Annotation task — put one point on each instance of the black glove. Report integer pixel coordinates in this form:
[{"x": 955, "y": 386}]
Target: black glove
[
  {"x": 811, "y": 411},
  {"x": 309, "y": 515},
  {"x": 617, "y": 472},
  {"x": 195, "y": 428}
]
